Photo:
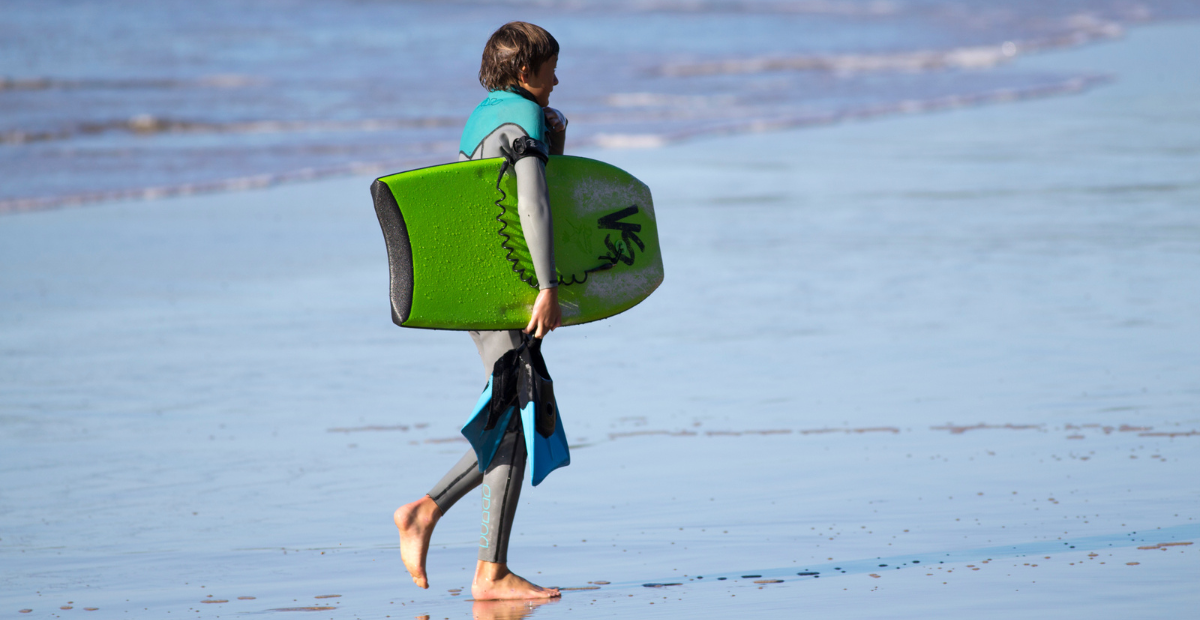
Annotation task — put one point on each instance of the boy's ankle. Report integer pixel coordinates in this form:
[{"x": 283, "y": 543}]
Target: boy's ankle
[{"x": 490, "y": 571}]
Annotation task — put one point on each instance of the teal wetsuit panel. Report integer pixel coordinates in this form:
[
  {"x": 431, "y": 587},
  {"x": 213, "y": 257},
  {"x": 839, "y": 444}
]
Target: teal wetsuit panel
[{"x": 502, "y": 107}]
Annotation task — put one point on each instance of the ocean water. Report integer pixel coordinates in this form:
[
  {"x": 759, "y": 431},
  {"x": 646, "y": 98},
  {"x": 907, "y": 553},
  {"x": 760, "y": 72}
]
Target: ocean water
[{"x": 102, "y": 100}]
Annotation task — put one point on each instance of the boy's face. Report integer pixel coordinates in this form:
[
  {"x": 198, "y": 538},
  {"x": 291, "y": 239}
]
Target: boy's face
[{"x": 541, "y": 83}]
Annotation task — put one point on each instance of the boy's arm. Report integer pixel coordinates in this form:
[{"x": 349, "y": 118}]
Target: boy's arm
[
  {"x": 533, "y": 201},
  {"x": 533, "y": 205}
]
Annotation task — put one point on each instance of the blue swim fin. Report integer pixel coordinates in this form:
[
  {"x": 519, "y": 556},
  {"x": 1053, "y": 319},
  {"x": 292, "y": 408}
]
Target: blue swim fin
[
  {"x": 521, "y": 382},
  {"x": 545, "y": 440},
  {"x": 546, "y": 454},
  {"x": 485, "y": 440}
]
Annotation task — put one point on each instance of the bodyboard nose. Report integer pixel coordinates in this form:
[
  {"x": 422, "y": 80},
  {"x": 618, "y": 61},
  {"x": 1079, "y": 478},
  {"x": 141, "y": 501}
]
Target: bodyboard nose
[{"x": 399, "y": 250}]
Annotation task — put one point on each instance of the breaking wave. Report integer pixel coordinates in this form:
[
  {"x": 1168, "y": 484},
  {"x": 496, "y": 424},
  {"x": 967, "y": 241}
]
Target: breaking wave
[
  {"x": 974, "y": 57},
  {"x": 432, "y": 151}
]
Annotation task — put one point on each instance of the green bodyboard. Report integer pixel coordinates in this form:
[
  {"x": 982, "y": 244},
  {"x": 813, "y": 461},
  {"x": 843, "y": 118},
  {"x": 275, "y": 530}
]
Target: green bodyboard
[{"x": 458, "y": 259}]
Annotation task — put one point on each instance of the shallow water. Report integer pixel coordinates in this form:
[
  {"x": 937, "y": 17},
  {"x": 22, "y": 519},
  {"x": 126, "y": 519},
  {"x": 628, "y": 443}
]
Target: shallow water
[
  {"x": 966, "y": 337},
  {"x": 134, "y": 99}
]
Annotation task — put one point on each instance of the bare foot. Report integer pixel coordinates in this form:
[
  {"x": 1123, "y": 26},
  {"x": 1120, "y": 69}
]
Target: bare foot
[
  {"x": 494, "y": 581},
  {"x": 415, "y": 522},
  {"x": 507, "y": 610}
]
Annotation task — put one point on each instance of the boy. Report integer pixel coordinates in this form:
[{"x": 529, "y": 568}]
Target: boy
[{"x": 514, "y": 122}]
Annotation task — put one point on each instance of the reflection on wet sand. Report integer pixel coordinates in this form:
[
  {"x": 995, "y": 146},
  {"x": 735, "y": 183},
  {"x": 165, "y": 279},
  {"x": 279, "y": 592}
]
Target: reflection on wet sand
[
  {"x": 359, "y": 429},
  {"x": 1124, "y": 428},
  {"x": 1165, "y": 545},
  {"x": 1143, "y": 431},
  {"x": 646, "y": 433},
  {"x": 958, "y": 430},
  {"x": 955, "y": 429},
  {"x": 871, "y": 429},
  {"x": 506, "y": 610},
  {"x": 770, "y": 431}
]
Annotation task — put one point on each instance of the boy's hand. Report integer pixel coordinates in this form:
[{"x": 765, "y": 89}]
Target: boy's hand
[
  {"x": 547, "y": 315},
  {"x": 555, "y": 119},
  {"x": 557, "y": 123}
]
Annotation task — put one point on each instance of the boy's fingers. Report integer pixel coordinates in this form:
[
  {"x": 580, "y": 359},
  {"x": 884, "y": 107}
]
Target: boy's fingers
[{"x": 554, "y": 118}]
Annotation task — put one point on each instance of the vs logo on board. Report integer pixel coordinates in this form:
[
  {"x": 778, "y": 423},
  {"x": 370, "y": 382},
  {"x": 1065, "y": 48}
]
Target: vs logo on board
[{"x": 622, "y": 249}]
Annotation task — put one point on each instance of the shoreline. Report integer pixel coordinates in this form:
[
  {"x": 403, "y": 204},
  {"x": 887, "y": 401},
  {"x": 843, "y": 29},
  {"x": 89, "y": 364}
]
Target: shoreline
[{"x": 1079, "y": 84}]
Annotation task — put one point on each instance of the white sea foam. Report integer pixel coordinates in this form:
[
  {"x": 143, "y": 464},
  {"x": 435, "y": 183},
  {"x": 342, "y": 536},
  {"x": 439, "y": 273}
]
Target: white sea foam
[
  {"x": 432, "y": 153},
  {"x": 629, "y": 141},
  {"x": 1085, "y": 28}
]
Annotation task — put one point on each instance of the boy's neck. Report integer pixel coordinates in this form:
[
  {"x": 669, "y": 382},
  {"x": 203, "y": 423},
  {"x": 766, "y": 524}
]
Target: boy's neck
[{"x": 515, "y": 89}]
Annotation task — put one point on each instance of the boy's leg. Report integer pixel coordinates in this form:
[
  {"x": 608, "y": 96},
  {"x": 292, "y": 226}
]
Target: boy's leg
[
  {"x": 501, "y": 492},
  {"x": 494, "y": 344},
  {"x": 464, "y": 476},
  {"x": 457, "y": 482},
  {"x": 417, "y": 520}
]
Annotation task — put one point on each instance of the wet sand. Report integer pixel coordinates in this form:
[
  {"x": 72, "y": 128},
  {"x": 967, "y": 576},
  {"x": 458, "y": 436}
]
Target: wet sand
[{"x": 927, "y": 366}]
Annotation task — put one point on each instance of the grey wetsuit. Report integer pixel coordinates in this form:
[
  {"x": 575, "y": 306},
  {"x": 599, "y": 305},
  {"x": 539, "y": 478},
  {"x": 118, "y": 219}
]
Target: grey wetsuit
[{"x": 502, "y": 118}]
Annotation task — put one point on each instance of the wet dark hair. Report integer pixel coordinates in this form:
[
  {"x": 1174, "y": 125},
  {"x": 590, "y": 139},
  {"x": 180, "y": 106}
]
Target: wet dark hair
[{"x": 512, "y": 46}]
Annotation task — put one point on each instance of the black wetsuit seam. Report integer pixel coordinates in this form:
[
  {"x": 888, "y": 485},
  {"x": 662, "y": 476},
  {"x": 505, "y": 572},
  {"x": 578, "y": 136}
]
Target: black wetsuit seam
[
  {"x": 453, "y": 484},
  {"x": 501, "y": 534}
]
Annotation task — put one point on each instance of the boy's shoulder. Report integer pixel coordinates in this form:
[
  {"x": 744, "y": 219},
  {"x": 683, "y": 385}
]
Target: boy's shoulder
[{"x": 501, "y": 108}]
